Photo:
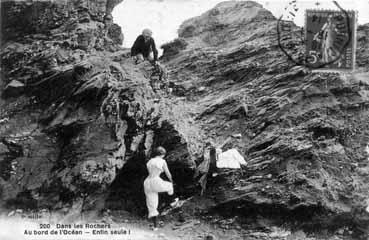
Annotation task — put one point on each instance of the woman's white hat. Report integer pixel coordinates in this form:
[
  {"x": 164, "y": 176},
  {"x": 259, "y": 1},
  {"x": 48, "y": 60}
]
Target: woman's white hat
[{"x": 147, "y": 32}]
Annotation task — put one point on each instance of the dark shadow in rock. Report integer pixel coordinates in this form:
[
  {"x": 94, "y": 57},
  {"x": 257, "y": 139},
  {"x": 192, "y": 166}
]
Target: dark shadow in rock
[
  {"x": 24, "y": 200},
  {"x": 126, "y": 191}
]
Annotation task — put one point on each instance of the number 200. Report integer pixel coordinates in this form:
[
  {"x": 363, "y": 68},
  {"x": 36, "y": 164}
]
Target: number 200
[{"x": 45, "y": 225}]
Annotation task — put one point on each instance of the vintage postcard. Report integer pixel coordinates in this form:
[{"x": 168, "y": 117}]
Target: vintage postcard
[{"x": 184, "y": 120}]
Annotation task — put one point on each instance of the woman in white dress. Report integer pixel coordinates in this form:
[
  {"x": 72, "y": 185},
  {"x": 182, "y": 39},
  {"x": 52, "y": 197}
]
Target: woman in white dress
[{"x": 154, "y": 184}]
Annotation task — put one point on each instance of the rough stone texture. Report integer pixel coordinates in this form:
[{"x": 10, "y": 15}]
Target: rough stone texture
[
  {"x": 78, "y": 118},
  {"x": 225, "y": 23},
  {"x": 74, "y": 109},
  {"x": 303, "y": 134},
  {"x": 172, "y": 48}
]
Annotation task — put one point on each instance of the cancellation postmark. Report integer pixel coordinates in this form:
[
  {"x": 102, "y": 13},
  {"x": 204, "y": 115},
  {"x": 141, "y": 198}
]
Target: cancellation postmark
[{"x": 327, "y": 42}]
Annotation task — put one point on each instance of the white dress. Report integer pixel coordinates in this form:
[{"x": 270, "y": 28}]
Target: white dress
[{"x": 154, "y": 184}]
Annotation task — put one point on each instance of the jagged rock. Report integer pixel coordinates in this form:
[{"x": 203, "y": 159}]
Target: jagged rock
[
  {"x": 225, "y": 22},
  {"x": 174, "y": 47},
  {"x": 297, "y": 127},
  {"x": 85, "y": 114},
  {"x": 90, "y": 118},
  {"x": 115, "y": 33}
]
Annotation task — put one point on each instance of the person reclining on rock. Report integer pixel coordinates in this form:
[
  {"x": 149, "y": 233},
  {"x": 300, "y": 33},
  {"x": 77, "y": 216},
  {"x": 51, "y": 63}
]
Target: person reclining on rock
[{"x": 144, "y": 48}]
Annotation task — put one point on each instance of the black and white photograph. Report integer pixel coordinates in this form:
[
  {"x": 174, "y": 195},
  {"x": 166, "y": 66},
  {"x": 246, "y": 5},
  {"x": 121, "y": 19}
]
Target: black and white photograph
[{"x": 184, "y": 120}]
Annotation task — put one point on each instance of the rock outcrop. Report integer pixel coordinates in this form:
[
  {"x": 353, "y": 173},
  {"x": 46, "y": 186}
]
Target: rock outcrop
[
  {"x": 303, "y": 133},
  {"x": 76, "y": 113}
]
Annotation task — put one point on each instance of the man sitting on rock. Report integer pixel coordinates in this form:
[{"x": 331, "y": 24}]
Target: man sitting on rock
[{"x": 144, "y": 48}]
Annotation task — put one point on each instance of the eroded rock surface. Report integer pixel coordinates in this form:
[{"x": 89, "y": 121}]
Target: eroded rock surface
[
  {"x": 78, "y": 118},
  {"x": 303, "y": 133},
  {"x": 75, "y": 109}
]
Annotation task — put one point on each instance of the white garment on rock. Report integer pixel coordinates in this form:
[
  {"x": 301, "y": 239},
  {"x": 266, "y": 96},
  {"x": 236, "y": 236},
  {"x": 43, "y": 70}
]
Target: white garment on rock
[
  {"x": 154, "y": 184},
  {"x": 230, "y": 159}
]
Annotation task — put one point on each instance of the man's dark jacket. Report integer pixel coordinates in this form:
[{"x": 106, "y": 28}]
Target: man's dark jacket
[{"x": 140, "y": 46}]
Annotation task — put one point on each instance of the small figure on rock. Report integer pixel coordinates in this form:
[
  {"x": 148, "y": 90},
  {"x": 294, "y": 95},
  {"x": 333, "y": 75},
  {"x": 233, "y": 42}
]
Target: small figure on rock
[
  {"x": 154, "y": 184},
  {"x": 144, "y": 48},
  {"x": 207, "y": 166}
]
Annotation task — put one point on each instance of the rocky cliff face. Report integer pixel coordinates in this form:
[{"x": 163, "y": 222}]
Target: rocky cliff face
[
  {"x": 78, "y": 118},
  {"x": 303, "y": 133},
  {"x": 75, "y": 109}
]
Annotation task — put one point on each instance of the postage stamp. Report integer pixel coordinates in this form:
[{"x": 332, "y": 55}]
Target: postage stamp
[
  {"x": 327, "y": 41},
  {"x": 330, "y": 39}
]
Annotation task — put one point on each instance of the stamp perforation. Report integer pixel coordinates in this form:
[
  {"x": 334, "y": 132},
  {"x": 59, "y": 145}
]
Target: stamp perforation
[{"x": 329, "y": 36}]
